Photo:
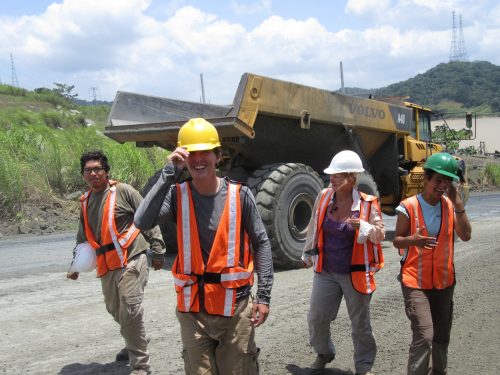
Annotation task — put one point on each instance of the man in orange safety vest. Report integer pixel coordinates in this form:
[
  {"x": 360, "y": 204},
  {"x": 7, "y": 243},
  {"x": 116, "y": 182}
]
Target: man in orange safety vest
[
  {"x": 220, "y": 235},
  {"x": 106, "y": 224}
]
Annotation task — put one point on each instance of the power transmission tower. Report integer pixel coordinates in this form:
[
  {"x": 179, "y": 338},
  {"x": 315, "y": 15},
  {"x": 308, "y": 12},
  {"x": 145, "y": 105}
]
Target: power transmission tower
[
  {"x": 15, "y": 83},
  {"x": 94, "y": 92},
  {"x": 461, "y": 46},
  {"x": 457, "y": 49}
]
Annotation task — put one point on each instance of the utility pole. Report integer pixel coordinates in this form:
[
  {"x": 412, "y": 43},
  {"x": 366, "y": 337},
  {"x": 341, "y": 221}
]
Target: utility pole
[
  {"x": 202, "y": 89},
  {"x": 15, "y": 83},
  {"x": 342, "y": 90}
]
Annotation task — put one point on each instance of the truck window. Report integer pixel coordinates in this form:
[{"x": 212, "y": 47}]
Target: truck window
[
  {"x": 413, "y": 126},
  {"x": 423, "y": 127}
]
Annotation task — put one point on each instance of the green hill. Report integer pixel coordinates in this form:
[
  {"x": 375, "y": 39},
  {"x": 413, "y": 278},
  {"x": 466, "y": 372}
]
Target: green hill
[{"x": 453, "y": 87}]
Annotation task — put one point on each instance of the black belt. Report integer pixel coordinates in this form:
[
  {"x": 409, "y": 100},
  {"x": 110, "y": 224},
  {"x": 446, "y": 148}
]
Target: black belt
[
  {"x": 209, "y": 278},
  {"x": 358, "y": 268},
  {"x": 105, "y": 248}
]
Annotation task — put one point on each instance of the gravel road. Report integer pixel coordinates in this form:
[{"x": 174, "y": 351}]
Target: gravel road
[{"x": 54, "y": 326}]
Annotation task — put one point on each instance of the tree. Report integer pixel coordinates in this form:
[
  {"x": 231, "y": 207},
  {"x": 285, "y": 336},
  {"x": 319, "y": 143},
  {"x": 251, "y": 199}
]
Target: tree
[
  {"x": 65, "y": 90},
  {"x": 450, "y": 138}
]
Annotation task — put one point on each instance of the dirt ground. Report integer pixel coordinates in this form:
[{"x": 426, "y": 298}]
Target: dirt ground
[
  {"x": 54, "y": 326},
  {"x": 41, "y": 219}
]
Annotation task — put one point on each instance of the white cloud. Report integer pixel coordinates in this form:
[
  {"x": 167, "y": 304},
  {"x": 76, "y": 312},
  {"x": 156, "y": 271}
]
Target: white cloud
[{"x": 118, "y": 45}]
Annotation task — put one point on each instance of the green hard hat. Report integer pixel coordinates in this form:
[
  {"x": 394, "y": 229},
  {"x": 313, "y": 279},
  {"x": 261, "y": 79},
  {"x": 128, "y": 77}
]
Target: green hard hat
[{"x": 443, "y": 163}]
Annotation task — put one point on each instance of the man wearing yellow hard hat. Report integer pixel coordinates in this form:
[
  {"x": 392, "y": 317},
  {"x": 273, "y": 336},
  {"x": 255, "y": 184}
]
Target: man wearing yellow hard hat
[{"x": 219, "y": 236}]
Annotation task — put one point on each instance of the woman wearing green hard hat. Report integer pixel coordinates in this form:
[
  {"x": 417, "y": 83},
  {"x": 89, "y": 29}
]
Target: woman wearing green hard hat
[{"x": 424, "y": 235}]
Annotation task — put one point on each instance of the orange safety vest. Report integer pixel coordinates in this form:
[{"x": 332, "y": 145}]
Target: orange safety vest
[
  {"x": 366, "y": 258},
  {"x": 111, "y": 252},
  {"x": 425, "y": 268},
  {"x": 222, "y": 274}
]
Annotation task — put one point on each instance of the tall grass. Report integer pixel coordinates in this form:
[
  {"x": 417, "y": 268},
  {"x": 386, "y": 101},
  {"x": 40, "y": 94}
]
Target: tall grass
[
  {"x": 39, "y": 162},
  {"x": 98, "y": 113},
  {"x": 41, "y": 95},
  {"x": 492, "y": 173}
]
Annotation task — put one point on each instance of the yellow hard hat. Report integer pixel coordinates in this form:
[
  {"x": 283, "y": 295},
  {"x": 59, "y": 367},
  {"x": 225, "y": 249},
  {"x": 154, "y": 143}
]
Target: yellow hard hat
[{"x": 198, "y": 135}]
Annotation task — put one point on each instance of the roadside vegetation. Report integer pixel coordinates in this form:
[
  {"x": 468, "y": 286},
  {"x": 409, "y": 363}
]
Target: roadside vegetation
[
  {"x": 42, "y": 136},
  {"x": 492, "y": 174}
]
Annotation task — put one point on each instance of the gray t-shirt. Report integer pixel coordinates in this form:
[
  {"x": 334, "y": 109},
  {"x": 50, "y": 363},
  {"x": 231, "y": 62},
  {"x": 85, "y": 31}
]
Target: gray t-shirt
[{"x": 160, "y": 205}]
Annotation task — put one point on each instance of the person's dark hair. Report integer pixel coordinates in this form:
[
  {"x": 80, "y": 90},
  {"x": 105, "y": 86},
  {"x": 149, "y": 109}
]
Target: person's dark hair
[
  {"x": 429, "y": 173},
  {"x": 94, "y": 155},
  {"x": 218, "y": 152}
]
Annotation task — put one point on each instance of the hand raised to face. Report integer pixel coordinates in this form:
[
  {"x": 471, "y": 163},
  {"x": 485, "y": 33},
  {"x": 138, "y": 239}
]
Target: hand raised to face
[{"x": 178, "y": 157}]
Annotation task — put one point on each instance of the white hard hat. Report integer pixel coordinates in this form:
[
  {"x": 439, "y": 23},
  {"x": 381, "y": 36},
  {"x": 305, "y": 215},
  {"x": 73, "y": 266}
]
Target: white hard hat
[
  {"x": 85, "y": 258},
  {"x": 345, "y": 162}
]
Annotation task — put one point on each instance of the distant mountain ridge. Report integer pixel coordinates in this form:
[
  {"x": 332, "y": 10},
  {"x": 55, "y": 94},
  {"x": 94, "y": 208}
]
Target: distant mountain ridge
[
  {"x": 448, "y": 87},
  {"x": 453, "y": 86}
]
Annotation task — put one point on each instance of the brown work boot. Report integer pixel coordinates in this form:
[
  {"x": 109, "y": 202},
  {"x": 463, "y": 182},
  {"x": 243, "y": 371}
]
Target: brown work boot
[
  {"x": 122, "y": 355},
  {"x": 320, "y": 362}
]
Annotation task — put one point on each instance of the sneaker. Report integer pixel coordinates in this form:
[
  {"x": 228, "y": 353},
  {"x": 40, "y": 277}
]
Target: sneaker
[
  {"x": 122, "y": 355},
  {"x": 321, "y": 361}
]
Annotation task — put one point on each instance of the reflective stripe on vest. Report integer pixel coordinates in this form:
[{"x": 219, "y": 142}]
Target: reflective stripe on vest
[
  {"x": 366, "y": 258},
  {"x": 222, "y": 275},
  {"x": 109, "y": 257},
  {"x": 429, "y": 268},
  {"x": 323, "y": 205}
]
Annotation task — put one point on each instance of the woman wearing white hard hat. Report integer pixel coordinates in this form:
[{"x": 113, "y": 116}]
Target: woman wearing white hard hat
[{"x": 343, "y": 246}]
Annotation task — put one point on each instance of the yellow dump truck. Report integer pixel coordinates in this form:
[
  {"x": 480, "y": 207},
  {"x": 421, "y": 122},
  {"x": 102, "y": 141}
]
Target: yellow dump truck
[{"x": 278, "y": 136}]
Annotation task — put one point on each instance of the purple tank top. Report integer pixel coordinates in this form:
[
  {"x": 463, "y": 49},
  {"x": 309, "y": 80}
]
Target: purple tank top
[{"x": 338, "y": 241}]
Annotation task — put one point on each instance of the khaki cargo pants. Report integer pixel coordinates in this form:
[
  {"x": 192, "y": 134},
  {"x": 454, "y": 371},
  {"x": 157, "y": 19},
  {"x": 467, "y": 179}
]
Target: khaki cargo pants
[
  {"x": 123, "y": 291},
  {"x": 218, "y": 345}
]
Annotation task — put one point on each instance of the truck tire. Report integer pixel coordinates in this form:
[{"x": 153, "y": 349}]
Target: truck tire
[
  {"x": 285, "y": 196},
  {"x": 366, "y": 184},
  {"x": 168, "y": 229}
]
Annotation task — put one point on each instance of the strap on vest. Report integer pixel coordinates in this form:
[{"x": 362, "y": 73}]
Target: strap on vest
[
  {"x": 358, "y": 268},
  {"x": 209, "y": 278},
  {"x": 105, "y": 248}
]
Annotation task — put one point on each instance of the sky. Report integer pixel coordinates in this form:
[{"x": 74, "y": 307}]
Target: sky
[{"x": 160, "y": 47}]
